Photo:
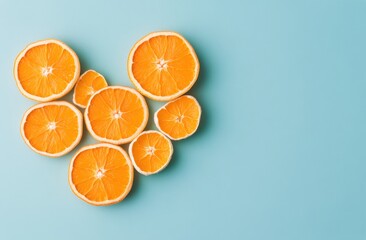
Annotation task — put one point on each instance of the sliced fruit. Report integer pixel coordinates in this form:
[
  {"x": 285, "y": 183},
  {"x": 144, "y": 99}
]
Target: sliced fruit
[
  {"x": 116, "y": 114},
  {"x": 88, "y": 83},
  {"x": 163, "y": 65},
  {"x": 101, "y": 174},
  {"x": 179, "y": 118},
  {"x": 52, "y": 129},
  {"x": 150, "y": 152},
  {"x": 46, "y": 70}
]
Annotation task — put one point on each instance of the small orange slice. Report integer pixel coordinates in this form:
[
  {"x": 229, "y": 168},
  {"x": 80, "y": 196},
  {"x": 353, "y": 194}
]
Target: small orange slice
[
  {"x": 163, "y": 65},
  {"x": 150, "y": 152},
  {"x": 46, "y": 70},
  {"x": 179, "y": 118},
  {"x": 101, "y": 174},
  {"x": 116, "y": 114},
  {"x": 52, "y": 129},
  {"x": 88, "y": 83}
]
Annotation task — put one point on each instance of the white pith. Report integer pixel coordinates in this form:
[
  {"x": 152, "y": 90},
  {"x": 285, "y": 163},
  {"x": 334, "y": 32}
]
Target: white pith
[
  {"x": 162, "y": 64},
  {"x": 179, "y": 119},
  {"x": 100, "y": 173},
  {"x": 116, "y": 114},
  {"x": 51, "y": 126},
  {"x": 150, "y": 150},
  {"x": 91, "y": 91},
  {"x": 45, "y": 71}
]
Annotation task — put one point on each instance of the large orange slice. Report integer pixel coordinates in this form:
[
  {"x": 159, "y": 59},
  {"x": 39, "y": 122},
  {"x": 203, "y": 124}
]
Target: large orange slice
[
  {"x": 163, "y": 65},
  {"x": 150, "y": 152},
  {"x": 88, "y": 83},
  {"x": 46, "y": 70},
  {"x": 101, "y": 174},
  {"x": 116, "y": 114},
  {"x": 179, "y": 118},
  {"x": 52, "y": 129}
]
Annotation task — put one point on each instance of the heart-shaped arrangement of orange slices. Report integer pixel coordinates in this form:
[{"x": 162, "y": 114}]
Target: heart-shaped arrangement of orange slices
[{"x": 162, "y": 66}]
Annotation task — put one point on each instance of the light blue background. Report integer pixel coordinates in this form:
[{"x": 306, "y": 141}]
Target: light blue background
[{"x": 280, "y": 153}]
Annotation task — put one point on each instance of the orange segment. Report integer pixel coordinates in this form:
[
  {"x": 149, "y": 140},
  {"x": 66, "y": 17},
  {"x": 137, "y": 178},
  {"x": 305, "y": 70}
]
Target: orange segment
[
  {"x": 179, "y": 118},
  {"x": 163, "y": 65},
  {"x": 46, "y": 70},
  {"x": 52, "y": 129},
  {"x": 101, "y": 174},
  {"x": 116, "y": 114},
  {"x": 88, "y": 83},
  {"x": 150, "y": 152}
]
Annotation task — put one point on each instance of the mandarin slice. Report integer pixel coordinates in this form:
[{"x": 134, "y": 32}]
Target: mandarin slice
[
  {"x": 101, "y": 174},
  {"x": 52, "y": 129},
  {"x": 179, "y": 119},
  {"x": 88, "y": 83},
  {"x": 150, "y": 152},
  {"x": 163, "y": 66},
  {"x": 116, "y": 114},
  {"x": 46, "y": 70}
]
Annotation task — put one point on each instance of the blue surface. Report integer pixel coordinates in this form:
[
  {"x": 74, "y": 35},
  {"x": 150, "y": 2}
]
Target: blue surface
[{"x": 280, "y": 153}]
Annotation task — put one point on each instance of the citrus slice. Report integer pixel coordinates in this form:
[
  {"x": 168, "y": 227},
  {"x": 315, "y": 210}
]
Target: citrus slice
[
  {"x": 52, "y": 129},
  {"x": 101, "y": 174},
  {"x": 163, "y": 65},
  {"x": 46, "y": 70},
  {"x": 88, "y": 83},
  {"x": 179, "y": 118},
  {"x": 150, "y": 152},
  {"x": 116, "y": 114}
]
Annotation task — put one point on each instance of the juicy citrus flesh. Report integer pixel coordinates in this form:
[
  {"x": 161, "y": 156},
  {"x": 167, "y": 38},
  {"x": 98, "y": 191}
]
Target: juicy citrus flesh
[
  {"x": 88, "y": 83},
  {"x": 150, "y": 152},
  {"x": 52, "y": 129},
  {"x": 101, "y": 174},
  {"x": 163, "y": 66},
  {"x": 46, "y": 70},
  {"x": 116, "y": 114},
  {"x": 179, "y": 118}
]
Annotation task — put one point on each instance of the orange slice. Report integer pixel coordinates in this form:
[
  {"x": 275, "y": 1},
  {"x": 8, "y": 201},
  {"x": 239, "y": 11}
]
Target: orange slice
[
  {"x": 88, "y": 83},
  {"x": 52, "y": 129},
  {"x": 163, "y": 65},
  {"x": 179, "y": 118},
  {"x": 101, "y": 174},
  {"x": 116, "y": 114},
  {"x": 46, "y": 70},
  {"x": 150, "y": 152}
]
